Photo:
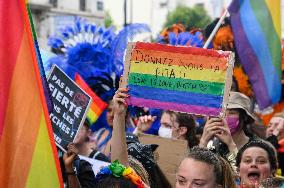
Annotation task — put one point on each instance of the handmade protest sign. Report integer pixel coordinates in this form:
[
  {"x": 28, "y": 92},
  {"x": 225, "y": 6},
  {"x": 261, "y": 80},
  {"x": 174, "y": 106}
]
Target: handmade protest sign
[
  {"x": 168, "y": 161},
  {"x": 184, "y": 79},
  {"x": 70, "y": 106}
]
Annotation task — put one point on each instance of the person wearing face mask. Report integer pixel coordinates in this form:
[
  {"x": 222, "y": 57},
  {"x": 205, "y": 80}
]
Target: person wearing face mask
[
  {"x": 166, "y": 122},
  {"x": 232, "y": 130},
  {"x": 173, "y": 125}
]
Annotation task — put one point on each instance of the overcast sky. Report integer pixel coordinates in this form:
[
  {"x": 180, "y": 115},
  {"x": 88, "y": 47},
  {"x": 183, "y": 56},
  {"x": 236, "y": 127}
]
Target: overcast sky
[{"x": 143, "y": 12}]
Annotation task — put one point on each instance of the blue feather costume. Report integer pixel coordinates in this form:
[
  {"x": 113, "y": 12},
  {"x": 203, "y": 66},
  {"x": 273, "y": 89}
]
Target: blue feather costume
[{"x": 96, "y": 53}]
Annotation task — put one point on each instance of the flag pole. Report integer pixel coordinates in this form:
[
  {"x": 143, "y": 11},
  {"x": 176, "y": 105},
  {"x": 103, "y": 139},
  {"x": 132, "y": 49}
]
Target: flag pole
[{"x": 215, "y": 29}]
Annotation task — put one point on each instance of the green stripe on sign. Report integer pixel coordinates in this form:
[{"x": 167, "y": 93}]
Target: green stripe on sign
[{"x": 176, "y": 84}]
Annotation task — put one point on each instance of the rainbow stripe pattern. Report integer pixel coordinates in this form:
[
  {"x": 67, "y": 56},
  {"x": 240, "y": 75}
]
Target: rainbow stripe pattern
[
  {"x": 97, "y": 106},
  {"x": 28, "y": 156},
  {"x": 183, "y": 79},
  {"x": 257, "y": 31}
]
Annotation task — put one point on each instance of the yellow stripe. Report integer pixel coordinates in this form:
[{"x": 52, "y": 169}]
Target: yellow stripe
[
  {"x": 175, "y": 71},
  {"x": 274, "y": 7},
  {"x": 43, "y": 171},
  {"x": 92, "y": 115}
]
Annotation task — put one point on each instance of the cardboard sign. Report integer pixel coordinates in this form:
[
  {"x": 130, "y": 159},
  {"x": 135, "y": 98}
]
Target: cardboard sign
[
  {"x": 184, "y": 79},
  {"x": 70, "y": 106},
  {"x": 170, "y": 153}
]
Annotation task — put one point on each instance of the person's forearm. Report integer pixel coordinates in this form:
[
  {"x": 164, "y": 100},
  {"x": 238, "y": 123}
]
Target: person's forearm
[
  {"x": 118, "y": 140},
  {"x": 202, "y": 143},
  {"x": 73, "y": 181}
]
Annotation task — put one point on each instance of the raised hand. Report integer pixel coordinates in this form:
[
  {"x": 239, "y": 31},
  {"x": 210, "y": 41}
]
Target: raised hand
[
  {"x": 145, "y": 122},
  {"x": 225, "y": 136},
  {"x": 69, "y": 157},
  {"x": 250, "y": 185},
  {"x": 279, "y": 129},
  {"x": 119, "y": 101},
  {"x": 211, "y": 128}
]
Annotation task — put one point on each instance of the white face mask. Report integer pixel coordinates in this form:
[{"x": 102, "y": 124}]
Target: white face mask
[{"x": 165, "y": 132}]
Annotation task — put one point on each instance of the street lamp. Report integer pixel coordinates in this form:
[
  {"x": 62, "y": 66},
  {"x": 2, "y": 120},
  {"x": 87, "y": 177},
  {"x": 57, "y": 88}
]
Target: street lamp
[{"x": 125, "y": 12}]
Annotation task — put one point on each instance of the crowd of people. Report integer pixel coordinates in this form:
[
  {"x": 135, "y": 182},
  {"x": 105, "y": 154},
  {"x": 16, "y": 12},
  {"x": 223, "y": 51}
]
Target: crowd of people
[
  {"x": 222, "y": 152},
  {"x": 239, "y": 158}
]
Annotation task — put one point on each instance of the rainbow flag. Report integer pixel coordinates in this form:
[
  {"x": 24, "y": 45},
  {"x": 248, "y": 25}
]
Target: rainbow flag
[
  {"x": 183, "y": 79},
  {"x": 97, "y": 106},
  {"x": 257, "y": 32},
  {"x": 40, "y": 65},
  {"x": 28, "y": 156}
]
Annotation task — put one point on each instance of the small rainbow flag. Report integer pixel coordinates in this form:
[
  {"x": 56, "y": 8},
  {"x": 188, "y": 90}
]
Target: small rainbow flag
[
  {"x": 97, "y": 106},
  {"x": 28, "y": 156},
  {"x": 257, "y": 31},
  {"x": 183, "y": 79}
]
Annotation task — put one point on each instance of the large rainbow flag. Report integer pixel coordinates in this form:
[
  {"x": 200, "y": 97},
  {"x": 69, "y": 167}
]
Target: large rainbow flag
[
  {"x": 257, "y": 31},
  {"x": 97, "y": 106},
  {"x": 28, "y": 156},
  {"x": 40, "y": 64},
  {"x": 184, "y": 79}
]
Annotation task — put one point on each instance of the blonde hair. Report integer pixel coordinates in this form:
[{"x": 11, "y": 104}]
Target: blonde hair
[
  {"x": 228, "y": 174},
  {"x": 139, "y": 169}
]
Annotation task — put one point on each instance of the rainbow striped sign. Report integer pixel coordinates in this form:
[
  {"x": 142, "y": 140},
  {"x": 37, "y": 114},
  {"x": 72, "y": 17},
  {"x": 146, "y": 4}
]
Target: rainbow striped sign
[{"x": 184, "y": 79}]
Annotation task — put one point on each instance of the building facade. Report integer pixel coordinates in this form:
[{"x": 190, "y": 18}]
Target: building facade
[
  {"x": 50, "y": 16},
  {"x": 154, "y": 12}
]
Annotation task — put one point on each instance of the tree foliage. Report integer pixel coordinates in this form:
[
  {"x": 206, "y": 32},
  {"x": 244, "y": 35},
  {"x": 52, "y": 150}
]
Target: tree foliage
[
  {"x": 108, "y": 20},
  {"x": 190, "y": 17}
]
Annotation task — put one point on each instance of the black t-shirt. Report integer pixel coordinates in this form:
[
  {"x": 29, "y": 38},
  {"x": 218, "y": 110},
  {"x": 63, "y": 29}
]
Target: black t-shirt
[
  {"x": 85, "y": 173},
  {"x": 84, "y": 170}
]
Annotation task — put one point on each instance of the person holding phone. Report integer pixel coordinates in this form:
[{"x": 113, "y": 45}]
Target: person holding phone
[{"x": 233, "y": 129}]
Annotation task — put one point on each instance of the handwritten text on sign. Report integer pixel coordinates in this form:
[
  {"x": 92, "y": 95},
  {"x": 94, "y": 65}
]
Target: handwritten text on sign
[
  {"x": 70, "y": 105},
  {"x": 177, "y": 74}
]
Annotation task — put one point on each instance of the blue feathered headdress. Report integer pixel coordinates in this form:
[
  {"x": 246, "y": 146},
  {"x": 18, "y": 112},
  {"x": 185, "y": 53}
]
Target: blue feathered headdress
[{"x": 96, "y": 53}]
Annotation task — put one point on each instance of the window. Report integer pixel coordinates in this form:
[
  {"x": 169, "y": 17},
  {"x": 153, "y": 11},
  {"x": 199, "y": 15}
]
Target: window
[
  {"x": 200, "y": 5},
  {"x": 82, "y": 5},
  {"x": 100, "y": 6},
  {"x": 53, "y": 3}
]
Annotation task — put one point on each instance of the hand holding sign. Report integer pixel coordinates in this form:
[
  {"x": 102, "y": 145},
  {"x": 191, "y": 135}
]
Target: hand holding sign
[
  {"x": 182, "y": 79},
  {"x": 119, "y": 101}
]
